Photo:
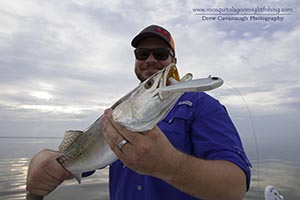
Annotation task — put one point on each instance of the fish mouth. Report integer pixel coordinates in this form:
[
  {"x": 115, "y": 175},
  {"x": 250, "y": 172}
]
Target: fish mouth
[{"x": 171, "y": 75}]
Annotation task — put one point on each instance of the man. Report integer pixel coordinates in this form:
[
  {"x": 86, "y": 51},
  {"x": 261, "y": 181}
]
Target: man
[{"x": 195, "y": 152}]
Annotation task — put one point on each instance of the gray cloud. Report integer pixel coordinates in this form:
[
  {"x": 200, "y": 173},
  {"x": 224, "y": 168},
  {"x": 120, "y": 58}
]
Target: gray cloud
[{"x": 63, "y": 62}]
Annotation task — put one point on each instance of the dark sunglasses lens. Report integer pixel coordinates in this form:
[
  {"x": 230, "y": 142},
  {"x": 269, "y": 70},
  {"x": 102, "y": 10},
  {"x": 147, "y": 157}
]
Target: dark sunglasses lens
[
  {"x": 160, "y": 54},
  {"x": 142, "y": 54}
]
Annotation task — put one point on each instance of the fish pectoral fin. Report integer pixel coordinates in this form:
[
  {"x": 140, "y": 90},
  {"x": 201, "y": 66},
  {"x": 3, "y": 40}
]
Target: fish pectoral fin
[{"x": 77, "y": 177}]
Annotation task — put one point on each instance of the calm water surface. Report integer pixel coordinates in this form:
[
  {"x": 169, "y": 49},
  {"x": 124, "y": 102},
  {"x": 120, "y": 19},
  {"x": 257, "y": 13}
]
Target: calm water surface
[{"x": 16, "y": 152}]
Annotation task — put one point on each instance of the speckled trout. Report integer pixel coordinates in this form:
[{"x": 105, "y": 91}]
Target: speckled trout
[{"x": 140, "y": 110}]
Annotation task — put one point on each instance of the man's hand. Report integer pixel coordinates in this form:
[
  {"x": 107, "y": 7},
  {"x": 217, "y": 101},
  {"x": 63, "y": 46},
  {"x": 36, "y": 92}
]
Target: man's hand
[
  {"x": 45, "y": 173},
  {"x": 151, "y": 153},
  {"x": 148, "y": 153}
]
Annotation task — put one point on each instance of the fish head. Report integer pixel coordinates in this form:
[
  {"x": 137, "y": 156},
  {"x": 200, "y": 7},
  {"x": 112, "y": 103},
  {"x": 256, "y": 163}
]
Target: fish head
[{"x": 147, "y": 104}]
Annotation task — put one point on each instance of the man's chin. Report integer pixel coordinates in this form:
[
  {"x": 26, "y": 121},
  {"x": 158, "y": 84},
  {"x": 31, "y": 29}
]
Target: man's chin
[
  {"x": 149, "y": 73},
  {"x": 146, "y": 74}
]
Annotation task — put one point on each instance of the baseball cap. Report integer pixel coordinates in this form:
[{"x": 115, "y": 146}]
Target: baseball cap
[{"x": 154, "y": 31}]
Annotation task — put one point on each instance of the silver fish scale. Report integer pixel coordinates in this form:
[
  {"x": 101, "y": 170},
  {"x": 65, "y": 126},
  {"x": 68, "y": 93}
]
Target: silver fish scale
[
  {"x": 68, "y": 139},
  {"x": 76, "y": 141},
  {"x": 74, "y": 147}
]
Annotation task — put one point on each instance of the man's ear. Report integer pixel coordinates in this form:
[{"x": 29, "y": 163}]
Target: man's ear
[{"x": 174, "y": 60}]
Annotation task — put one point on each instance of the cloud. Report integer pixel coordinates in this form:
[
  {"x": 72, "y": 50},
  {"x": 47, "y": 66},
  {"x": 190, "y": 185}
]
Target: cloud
[{"x": 68, "y": 60}]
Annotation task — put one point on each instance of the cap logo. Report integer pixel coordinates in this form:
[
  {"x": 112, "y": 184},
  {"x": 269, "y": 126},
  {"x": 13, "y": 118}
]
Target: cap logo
[{"x": 162, "y": 31}]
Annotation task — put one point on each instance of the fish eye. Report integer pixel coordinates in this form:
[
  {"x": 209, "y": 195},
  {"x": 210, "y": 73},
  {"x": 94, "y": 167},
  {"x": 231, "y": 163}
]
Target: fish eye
[{"x": 149, "y": 84}]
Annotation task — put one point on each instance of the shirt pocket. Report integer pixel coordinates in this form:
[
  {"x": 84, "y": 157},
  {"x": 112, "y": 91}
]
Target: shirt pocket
[
  {"x": 176, "y": 126},
  {"x": 177, "y": 120}
]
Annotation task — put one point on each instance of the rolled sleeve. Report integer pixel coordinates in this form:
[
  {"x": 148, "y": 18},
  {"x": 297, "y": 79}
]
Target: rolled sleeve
[
  {"x": 200, "y": 126},
  {"x": 215, "y": 137}
]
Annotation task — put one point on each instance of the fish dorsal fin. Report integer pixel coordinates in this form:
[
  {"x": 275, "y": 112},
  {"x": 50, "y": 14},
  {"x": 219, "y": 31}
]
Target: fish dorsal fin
[{"x": 69, "y": 138}]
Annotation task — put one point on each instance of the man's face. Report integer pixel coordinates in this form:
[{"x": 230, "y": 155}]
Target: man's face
[{"x": 146, "y": 68}]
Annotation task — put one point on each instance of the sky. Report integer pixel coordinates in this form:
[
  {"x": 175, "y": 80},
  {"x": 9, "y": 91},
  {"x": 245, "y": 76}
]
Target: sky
[{"x": 63, "y": 62}]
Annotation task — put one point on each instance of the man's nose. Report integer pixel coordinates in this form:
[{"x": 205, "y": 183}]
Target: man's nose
[{"x": 151, "y": 58}]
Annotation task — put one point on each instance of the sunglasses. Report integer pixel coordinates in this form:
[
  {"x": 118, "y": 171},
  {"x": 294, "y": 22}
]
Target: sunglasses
[{"x": 160, "y": 54}]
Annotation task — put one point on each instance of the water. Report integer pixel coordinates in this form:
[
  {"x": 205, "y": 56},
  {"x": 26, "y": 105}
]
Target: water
[
  {"x": 284, "y": 175},
  {"x": 15, "y": 154}
]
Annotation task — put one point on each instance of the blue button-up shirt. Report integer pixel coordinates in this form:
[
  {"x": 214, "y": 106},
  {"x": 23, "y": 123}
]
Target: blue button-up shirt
[{"x": 197, "y": 125}]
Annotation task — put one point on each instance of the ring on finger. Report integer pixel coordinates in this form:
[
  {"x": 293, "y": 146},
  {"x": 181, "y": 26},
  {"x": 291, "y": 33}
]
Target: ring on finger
[{"x": 122, "y": 143}]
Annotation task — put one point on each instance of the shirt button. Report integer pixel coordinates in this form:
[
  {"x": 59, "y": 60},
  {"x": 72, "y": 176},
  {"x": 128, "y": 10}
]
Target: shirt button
[{"x": 139, "y": 187}]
